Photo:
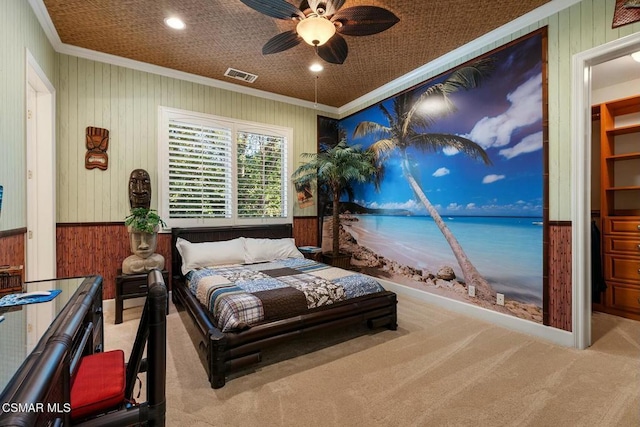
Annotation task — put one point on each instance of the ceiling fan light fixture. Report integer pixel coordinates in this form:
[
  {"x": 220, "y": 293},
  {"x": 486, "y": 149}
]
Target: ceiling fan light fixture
[
  {"x": 316, "y": 30},
  {"x": 316, "y": 67}
]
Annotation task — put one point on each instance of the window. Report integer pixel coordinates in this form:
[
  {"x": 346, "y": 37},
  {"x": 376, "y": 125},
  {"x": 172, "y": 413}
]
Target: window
[{"x": 217, "y": 171}]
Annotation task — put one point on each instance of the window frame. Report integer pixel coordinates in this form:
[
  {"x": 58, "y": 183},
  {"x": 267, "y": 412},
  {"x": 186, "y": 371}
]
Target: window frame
[{"x": 166, "y": 114}]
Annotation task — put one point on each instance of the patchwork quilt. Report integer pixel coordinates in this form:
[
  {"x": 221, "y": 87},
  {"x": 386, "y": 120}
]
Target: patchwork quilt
[{"x": 240, "y": 296}]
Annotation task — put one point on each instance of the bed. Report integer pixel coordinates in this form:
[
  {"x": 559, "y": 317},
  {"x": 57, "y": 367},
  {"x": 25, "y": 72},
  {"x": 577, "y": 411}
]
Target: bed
[{"x": 242, "y": 341}]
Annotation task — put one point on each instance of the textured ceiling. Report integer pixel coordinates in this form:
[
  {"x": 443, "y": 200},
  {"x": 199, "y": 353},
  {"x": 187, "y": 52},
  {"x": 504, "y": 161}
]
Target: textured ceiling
[{"x": 226, "y": 33}]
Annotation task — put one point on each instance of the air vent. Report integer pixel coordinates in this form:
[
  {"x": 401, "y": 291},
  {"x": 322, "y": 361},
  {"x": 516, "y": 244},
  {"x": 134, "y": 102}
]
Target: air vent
[{"x": 240, "y": 75}]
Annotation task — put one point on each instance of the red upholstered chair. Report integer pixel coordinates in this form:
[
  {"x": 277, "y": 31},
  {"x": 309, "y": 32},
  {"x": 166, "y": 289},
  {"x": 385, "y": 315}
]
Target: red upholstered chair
[
  {"x": 99, "y": 384},
  {"x": 102, "y": 386}
]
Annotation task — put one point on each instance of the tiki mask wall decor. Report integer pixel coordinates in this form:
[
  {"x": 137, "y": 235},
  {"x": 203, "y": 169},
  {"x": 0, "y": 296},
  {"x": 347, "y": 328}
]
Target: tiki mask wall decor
[
  {"x": 97, "y": 144},
  {"x": 139, "y": 189}
]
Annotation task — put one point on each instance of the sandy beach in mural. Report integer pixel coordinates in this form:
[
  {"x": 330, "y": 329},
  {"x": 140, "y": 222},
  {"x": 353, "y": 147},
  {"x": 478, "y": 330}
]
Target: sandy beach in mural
[{"x": 439, "y": 279}]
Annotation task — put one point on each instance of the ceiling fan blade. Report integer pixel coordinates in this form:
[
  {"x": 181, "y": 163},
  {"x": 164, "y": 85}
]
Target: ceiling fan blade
[
  {"x": 311, "y": 4},
  {"x": 333, "y": 6},
  {"x": 364, "y": 20},
  {"x": 282, "y": 41},
  {"x": 335, "y": 50},
  {"x": 279, "y": 9},
  {"x": 329, "y": 7}
]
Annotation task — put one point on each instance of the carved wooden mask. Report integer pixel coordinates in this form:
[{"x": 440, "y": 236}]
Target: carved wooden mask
[{"x": 97, "y": 144}]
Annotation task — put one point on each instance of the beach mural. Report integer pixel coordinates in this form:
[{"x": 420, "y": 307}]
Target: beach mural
[{"x": 461, "y": 191}]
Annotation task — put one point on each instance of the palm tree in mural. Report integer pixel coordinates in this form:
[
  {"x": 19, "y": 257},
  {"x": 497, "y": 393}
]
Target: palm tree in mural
[
  {"x": 335, "y": 169},
  {"x": 413, "y": 113}
]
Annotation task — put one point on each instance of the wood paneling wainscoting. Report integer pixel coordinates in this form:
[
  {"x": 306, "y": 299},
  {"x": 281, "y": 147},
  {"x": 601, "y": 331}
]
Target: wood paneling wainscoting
[
  {"x": 305, "y": 230},
  {"x": 12, "y": 247},
  {"x": 99, "y": 248},
  {"x": 559, "y": 291}
]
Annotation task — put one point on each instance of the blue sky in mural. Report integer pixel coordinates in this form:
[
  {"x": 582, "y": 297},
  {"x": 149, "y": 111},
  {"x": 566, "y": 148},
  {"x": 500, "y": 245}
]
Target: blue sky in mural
[{"x": 504, "y": 116}]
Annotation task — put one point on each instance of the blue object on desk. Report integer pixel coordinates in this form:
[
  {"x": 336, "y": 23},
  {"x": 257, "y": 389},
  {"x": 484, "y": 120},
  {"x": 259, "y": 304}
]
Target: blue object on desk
[{"x": 15, "y": 299}]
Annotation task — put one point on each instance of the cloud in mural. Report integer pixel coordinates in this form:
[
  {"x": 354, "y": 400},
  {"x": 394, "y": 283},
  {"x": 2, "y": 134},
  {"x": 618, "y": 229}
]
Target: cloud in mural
[
  {"x": 450, "y": 151},
  {"x": 489, "y": 179},
  {"x": 441, "y": 172},
  {"x": 518, "y": 208},
  {"x": 525, "y": 109},
  {"x": 410, "y": 205},
  {"x": 529, "y": 144}
]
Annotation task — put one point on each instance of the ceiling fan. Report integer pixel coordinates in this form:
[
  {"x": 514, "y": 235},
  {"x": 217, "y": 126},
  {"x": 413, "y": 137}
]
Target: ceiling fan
[{"x": 322, "y": 25}]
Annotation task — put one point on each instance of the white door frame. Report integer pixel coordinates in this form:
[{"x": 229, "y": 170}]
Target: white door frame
[
  {"x": 41, "y": 176},
  {"x": 581, "y": 178}
]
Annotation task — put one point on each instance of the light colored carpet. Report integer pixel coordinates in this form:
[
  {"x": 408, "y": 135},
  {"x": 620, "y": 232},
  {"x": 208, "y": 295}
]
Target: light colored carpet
[{"x": 438, "y": 369}]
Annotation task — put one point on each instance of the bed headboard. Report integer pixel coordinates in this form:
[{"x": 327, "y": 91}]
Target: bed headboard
[{"x": 216, "y": 234}]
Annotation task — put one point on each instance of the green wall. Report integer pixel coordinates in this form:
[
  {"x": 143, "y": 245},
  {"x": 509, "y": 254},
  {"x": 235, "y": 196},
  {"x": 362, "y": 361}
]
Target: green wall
[
  {"x": 19, "y": 31},
  {"x": 126, "y": 102}
]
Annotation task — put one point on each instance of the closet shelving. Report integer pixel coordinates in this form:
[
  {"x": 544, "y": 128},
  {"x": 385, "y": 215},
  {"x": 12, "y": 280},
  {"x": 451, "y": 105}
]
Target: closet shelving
[{"x": 620, "y": 205}]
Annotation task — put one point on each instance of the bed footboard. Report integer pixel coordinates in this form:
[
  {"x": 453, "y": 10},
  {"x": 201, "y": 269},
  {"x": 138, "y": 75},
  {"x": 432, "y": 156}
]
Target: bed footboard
[{"x": 229, "y": 352}]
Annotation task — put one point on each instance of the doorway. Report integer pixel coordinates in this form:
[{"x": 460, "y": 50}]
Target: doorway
[
  {"x": 41, "y": 166},
  {"x": 41, "y": 196},
  {"x": 581, "y": 178}
]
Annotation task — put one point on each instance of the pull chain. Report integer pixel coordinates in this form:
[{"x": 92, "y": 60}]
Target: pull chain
[{"x": 315, "y": 104}]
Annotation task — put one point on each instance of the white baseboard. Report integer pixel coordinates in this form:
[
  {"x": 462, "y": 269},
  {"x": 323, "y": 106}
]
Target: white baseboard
[{"x": 548, "y": 333}]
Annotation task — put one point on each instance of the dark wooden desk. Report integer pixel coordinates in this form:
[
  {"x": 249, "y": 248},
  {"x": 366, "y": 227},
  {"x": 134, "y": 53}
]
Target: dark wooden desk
[
  {"x": 42, "y": 382},
  {"x": 132, "y": 286}
]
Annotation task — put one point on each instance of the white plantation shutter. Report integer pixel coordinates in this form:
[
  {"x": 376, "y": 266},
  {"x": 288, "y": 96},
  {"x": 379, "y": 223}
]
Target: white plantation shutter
[
  {"x": 262, "y": 175},
  {"x": 200, "y": 180},
  {"x": 215, "y": 171}
]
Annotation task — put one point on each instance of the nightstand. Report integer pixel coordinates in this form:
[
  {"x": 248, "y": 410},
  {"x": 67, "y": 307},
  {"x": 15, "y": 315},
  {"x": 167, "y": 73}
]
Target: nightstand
[
  {"x": 311, "y": 252},
  {"x": 132, "y": 286}
]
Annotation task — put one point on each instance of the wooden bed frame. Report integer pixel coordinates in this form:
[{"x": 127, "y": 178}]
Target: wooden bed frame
[{"x": 222, "y": 353}]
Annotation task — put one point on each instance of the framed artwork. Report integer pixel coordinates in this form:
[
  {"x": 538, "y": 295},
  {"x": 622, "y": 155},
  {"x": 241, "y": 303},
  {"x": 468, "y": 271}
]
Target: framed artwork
[
  {"x": 304, "y": 195},
  {"x": 461, "y": 209}
]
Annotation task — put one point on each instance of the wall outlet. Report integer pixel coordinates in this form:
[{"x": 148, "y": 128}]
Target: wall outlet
[
  {"x": 472, "y": 291},
  {"x": 500, "y": 299}
]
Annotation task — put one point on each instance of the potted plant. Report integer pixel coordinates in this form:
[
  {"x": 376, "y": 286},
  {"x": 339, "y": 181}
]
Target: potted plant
[
  {"x": 143, "y": 225},
  {"x": 144, "y": 220},
  {"x": 335, "y": 168}
]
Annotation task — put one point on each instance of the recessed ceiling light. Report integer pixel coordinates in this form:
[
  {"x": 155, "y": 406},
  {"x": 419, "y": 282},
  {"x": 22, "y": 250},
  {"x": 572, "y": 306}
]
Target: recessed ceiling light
[
  {"x": 317, "y": 67},
  {"x": 175, "y": 23},
  {"x": 636, "y": 56}
]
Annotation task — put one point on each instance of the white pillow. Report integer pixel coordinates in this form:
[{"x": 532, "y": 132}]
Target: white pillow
[
  {"x": 209, "y": 254},
  {"x": 260, "y": 250}
]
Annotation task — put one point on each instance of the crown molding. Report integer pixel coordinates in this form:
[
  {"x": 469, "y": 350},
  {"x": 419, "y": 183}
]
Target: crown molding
[
  {"x": 47, "y": 25},
  {"x": 396, "y": 85},
  {"x": 193, "y": 78},
  {"x": 405, "y": 81}
]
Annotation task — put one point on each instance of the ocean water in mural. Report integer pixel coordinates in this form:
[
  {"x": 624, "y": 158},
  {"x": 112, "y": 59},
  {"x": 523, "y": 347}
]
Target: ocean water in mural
[{"x": 505, "y": 250}]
